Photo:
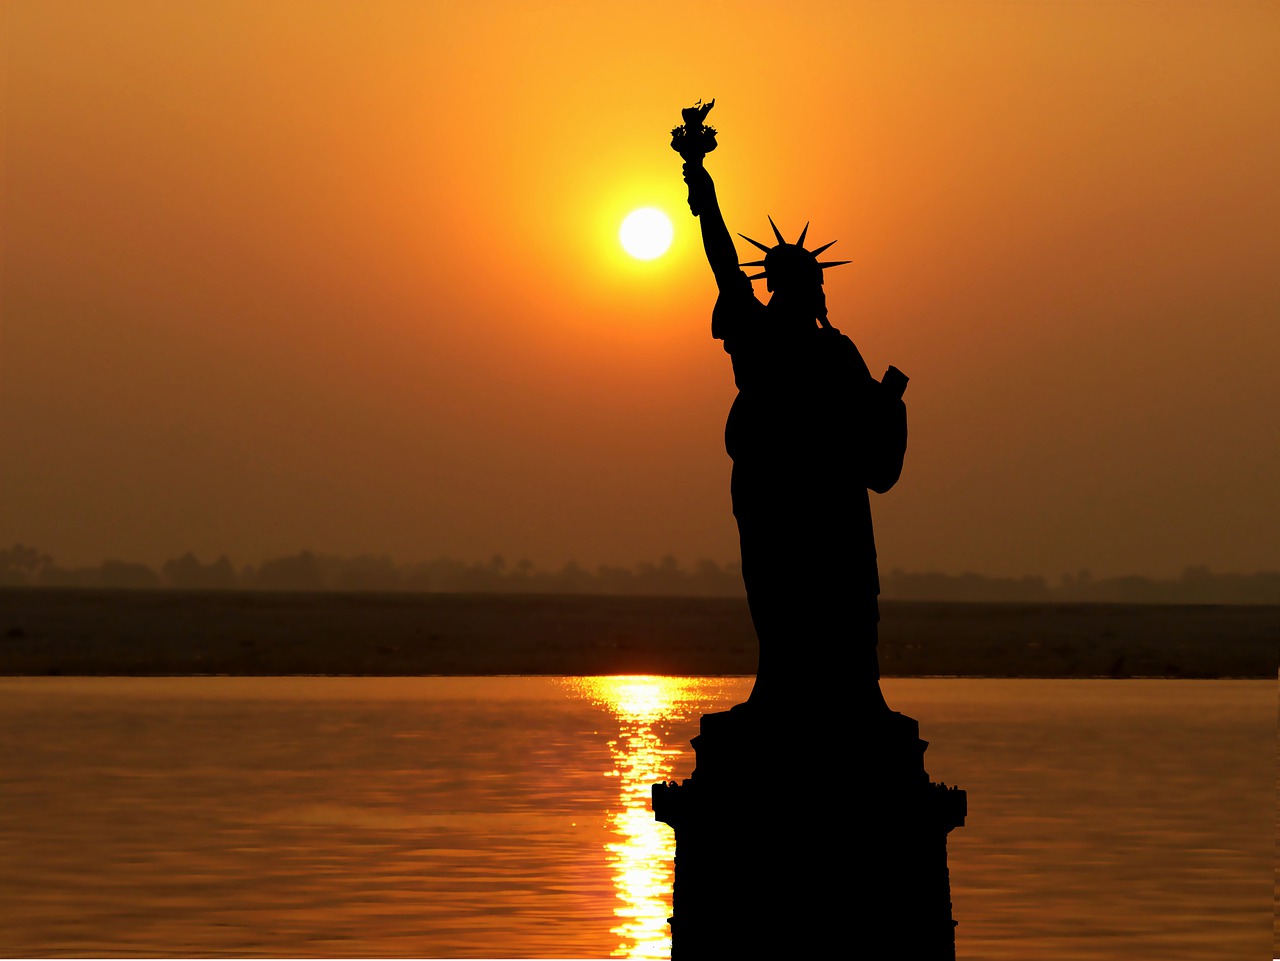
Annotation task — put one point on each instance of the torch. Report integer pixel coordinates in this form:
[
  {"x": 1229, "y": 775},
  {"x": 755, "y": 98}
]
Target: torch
[{"x": 693, "y": 139}]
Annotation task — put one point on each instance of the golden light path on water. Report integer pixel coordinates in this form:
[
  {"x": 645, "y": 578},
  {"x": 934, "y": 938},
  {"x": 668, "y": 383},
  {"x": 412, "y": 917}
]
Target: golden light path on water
[{"x": 643, "y": 851}]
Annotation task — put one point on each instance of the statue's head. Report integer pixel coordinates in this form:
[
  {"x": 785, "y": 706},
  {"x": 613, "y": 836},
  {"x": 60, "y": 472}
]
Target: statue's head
[
  {"x": 791, "y": 268},
  {"x": 793, "y": 275}
]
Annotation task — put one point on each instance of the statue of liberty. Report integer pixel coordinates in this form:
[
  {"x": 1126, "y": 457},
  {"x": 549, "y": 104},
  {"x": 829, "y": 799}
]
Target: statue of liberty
[{"x": 810, "y": 432}]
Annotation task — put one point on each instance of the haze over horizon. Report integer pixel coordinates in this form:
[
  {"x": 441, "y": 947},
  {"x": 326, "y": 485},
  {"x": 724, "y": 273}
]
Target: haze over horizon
[{"x": 281, "y": 276}]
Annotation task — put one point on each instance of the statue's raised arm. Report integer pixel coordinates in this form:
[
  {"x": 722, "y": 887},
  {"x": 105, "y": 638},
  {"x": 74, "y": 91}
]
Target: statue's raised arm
[{"x": 693, "y": 140}]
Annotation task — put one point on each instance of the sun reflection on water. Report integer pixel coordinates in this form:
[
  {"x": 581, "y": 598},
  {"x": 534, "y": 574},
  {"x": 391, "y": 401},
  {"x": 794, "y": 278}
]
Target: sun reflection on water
[{"x": 643, "y": 852}]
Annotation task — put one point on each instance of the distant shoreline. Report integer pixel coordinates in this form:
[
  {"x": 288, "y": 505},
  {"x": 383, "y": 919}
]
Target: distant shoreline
[{"x": 168, "y": 632}]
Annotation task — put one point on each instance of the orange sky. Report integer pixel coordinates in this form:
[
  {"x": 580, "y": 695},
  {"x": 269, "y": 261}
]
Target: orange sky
[{"x": 345, "y": 276}]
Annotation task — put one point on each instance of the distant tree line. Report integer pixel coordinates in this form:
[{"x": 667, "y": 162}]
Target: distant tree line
[
  {"x": 310, "y": 571},
  {"x": 22, "y": 566}
]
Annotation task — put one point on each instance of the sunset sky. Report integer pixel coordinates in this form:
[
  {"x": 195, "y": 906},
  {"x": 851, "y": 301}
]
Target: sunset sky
[{"x": 346, "y": 276}]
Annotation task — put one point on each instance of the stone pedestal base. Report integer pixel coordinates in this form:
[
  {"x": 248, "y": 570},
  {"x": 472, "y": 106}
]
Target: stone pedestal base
[{"x": 820, "y": 836}]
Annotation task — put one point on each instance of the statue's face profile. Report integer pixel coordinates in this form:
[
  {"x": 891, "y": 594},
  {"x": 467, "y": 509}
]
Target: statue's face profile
[{"x": 793, "y": 276}]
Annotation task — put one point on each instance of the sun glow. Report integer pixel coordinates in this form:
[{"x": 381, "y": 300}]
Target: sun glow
[{"x": 646, "y": 233}]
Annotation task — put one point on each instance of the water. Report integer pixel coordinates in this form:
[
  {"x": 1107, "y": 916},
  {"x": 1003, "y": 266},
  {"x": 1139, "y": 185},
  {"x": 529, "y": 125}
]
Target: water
[{"x": 508, "y": 817}]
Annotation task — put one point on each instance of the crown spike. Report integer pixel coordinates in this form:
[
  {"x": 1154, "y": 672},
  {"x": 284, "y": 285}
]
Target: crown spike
[
  {"x": 756, "y": 242},
  {"x": 822, "y": 248},
  {"x": 752, "y": 263},
  {"x": 804, "y": 233},
  {"x": 776, "y": 232},
  {"x": 834, "y": 263}
]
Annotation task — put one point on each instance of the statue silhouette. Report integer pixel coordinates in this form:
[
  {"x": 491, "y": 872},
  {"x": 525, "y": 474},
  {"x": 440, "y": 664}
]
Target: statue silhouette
[
  {"x": 809, "y": 826},
  {"x": 810, "y": 432}
]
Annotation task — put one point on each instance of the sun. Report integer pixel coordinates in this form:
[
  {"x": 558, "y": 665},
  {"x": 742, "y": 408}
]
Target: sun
[{"x": 646, "y": 233}]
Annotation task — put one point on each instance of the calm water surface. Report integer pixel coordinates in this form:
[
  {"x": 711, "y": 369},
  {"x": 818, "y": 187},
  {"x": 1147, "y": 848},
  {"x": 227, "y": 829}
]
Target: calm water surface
[{"x": 508, "y": 817}]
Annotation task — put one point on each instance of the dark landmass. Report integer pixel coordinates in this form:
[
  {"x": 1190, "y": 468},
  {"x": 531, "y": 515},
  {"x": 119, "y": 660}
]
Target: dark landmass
[{"x": 172, "y": 632}]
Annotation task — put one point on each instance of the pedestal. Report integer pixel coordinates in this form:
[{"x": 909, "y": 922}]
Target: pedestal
[{"x": 820, "y": 835}]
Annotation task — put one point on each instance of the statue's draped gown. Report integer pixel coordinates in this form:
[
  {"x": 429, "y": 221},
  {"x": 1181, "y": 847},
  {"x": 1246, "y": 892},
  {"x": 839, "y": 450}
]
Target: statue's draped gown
[{"x": 809, "y": 432}]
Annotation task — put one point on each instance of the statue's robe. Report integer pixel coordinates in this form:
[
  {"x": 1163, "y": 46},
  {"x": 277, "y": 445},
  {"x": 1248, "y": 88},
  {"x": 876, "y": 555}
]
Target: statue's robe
[{"x": 809, "y": 433}]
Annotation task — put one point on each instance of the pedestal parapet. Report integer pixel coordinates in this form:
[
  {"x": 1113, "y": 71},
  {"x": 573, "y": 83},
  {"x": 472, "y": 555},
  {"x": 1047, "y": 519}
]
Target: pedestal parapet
[{"x": 814, "y": 834}]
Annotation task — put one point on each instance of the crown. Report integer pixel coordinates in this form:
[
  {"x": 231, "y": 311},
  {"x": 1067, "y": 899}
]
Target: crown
[{"x": 791, "y": 252}]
